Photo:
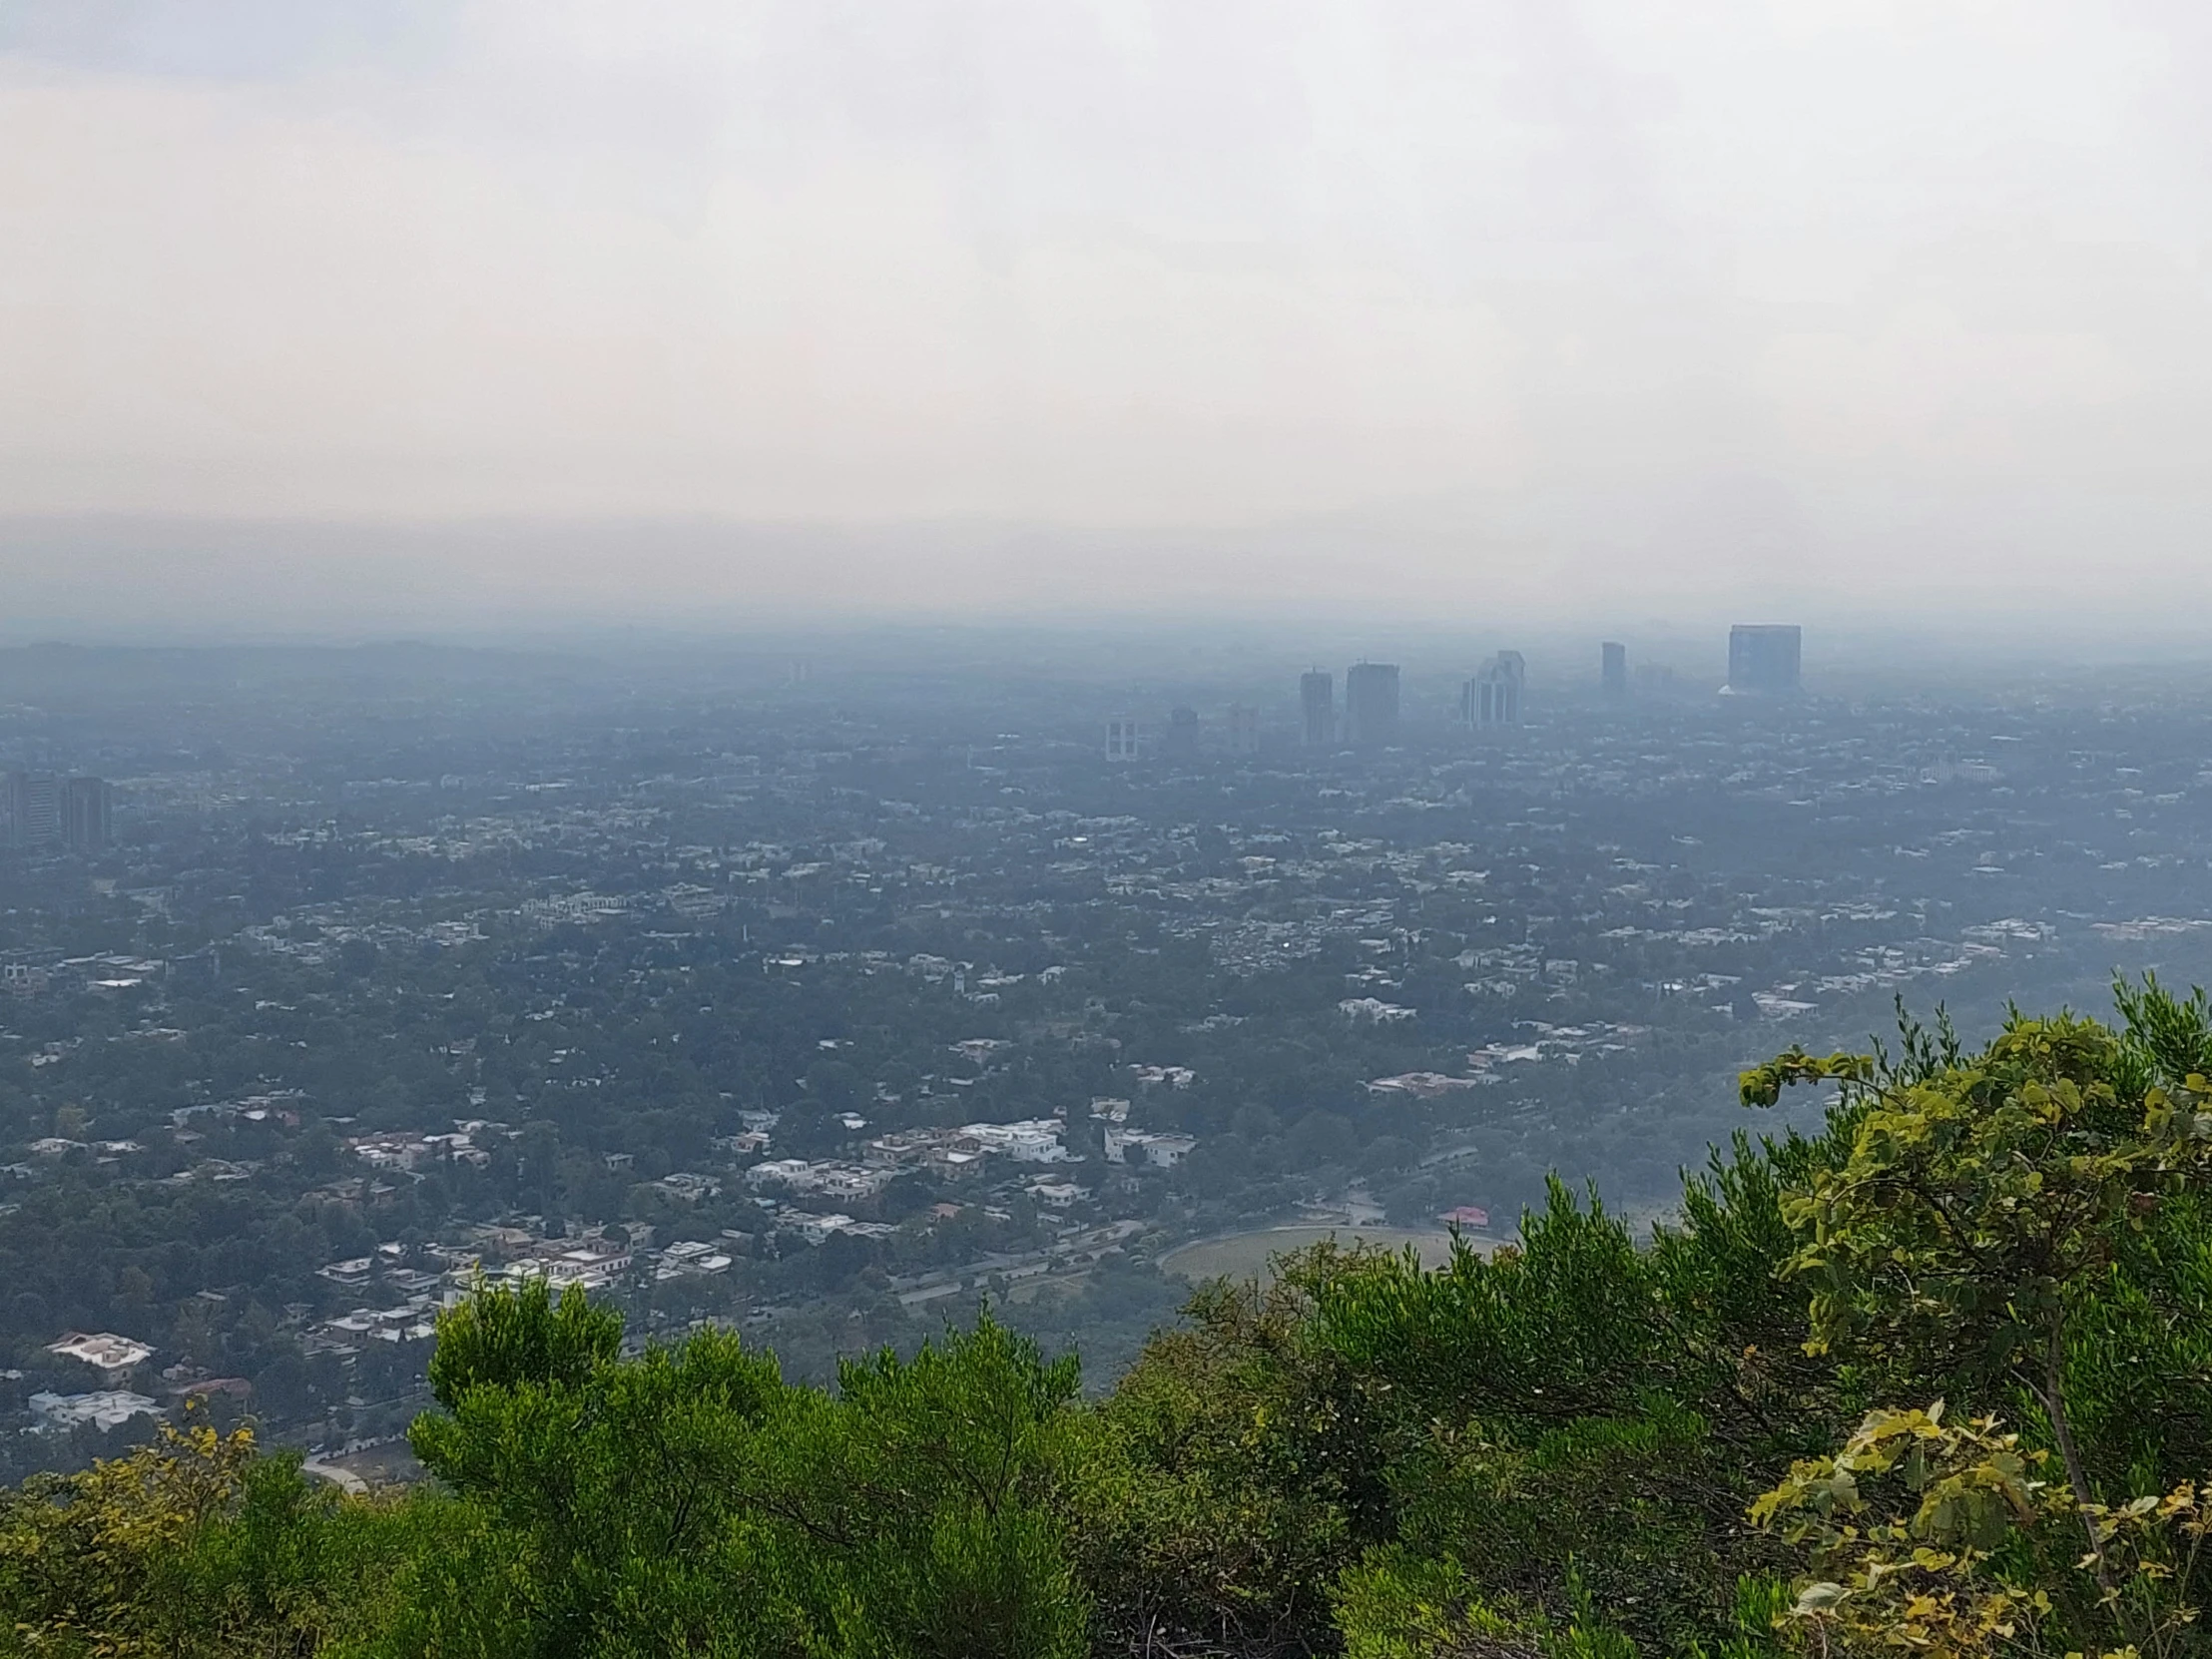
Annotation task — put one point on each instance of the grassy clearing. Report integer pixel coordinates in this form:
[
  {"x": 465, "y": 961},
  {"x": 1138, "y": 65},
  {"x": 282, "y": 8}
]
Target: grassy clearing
[{"x": 1247, "y": 1255}]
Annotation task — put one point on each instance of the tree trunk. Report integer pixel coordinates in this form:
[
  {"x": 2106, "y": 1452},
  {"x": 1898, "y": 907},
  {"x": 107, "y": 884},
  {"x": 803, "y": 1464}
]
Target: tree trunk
[{"x": 2052, "y": 1396}]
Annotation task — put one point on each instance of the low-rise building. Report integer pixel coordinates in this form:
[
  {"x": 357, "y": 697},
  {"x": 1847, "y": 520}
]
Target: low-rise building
[
  {"x": 1138, "y": 1146},
  {"x": 1028, "y": 1141},
  {"x": 691, "y": 1257},
  {"x": 103, "y": 1351},
  {"x": 103, "y": 1407},
  {"x": 686, "y": 1188}
]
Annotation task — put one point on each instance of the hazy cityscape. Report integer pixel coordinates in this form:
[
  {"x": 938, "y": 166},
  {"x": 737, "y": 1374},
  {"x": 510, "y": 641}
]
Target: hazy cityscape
[
  {"x": 827, "y": 995},
  {"x": 1105, "y": 829}
]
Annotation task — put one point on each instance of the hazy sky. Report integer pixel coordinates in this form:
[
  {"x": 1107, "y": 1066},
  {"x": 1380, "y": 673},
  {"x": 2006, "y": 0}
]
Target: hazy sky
[{"x": 1625, "y": 304}]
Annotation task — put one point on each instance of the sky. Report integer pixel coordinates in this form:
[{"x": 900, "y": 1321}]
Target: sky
[{"x": 388, "y": 309}]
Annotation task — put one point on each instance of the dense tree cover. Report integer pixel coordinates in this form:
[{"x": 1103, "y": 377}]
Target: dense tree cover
[
  {"x": 1934, "y": 1380},
  {"x": 614, "y": 1055}
]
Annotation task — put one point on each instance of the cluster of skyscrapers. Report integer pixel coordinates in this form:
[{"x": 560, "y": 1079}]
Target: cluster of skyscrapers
[
  {"x": 45, "y": 810},
  {"x": 1762, "y": 661},
  {"x": 1180, "y": 741},
  {"x": 1370, "y": 707}
]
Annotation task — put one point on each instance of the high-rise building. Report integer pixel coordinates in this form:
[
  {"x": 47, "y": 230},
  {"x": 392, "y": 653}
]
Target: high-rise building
[
  {"x": 1763, "y": 660},
  {"x": 86, "y": 815},
  {"x": 1244, "y": 728},
  {"x": 1121, "y": 738},
  {"x": 1182, "y": 733},
  {"x": 1371, "y": 705},
  {"x": 1494, "y": 696},
  {"x": 1614, "y": 673},
  {"x": 1316, "y": 702},
  {"x": 34, "y": 808}
]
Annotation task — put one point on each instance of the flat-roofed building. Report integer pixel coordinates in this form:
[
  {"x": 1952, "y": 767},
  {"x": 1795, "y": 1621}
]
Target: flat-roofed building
[
  {"x": 1494, "y": 695},
  {"x": 1764, "y": 659},
  {"x": 1317, "y": 706},
  {"x": 1371, "y": 705},
  {"x": 34, "y": 801},
  {"x": 104, "y": 1350},
  {"x": 87, "y": 815},
  {"x": 103, "y": 1407}
]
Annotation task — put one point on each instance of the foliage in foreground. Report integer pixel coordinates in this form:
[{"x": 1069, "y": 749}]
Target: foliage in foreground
[{"x": 1937, "y": 1379}]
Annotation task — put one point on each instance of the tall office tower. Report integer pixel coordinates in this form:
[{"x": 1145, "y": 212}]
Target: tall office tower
[
  {"x": 1316, "y": 702},
  {"x": 1182, "y": 736},
  {"x": 1615, "y": 671},
  {"x": 86, "y": 815},
  {"x": 1121, "y": 738},
  {"x": 1494, "y": 696},
  {"x": 1371, "y": 705},
  {"x": 34, "y": 808},
  {"x": 1244, "y": 728},
  {"x": 1762, "y": 661}
]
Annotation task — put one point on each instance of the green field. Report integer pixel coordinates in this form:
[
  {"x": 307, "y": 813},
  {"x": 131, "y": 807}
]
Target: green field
[{"x": 1246, "y": 1255}]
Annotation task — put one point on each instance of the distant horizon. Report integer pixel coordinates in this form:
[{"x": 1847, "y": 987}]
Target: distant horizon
[
  {"x": 151, "y": 579},
  {"x": 1843, "y": 656}
]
